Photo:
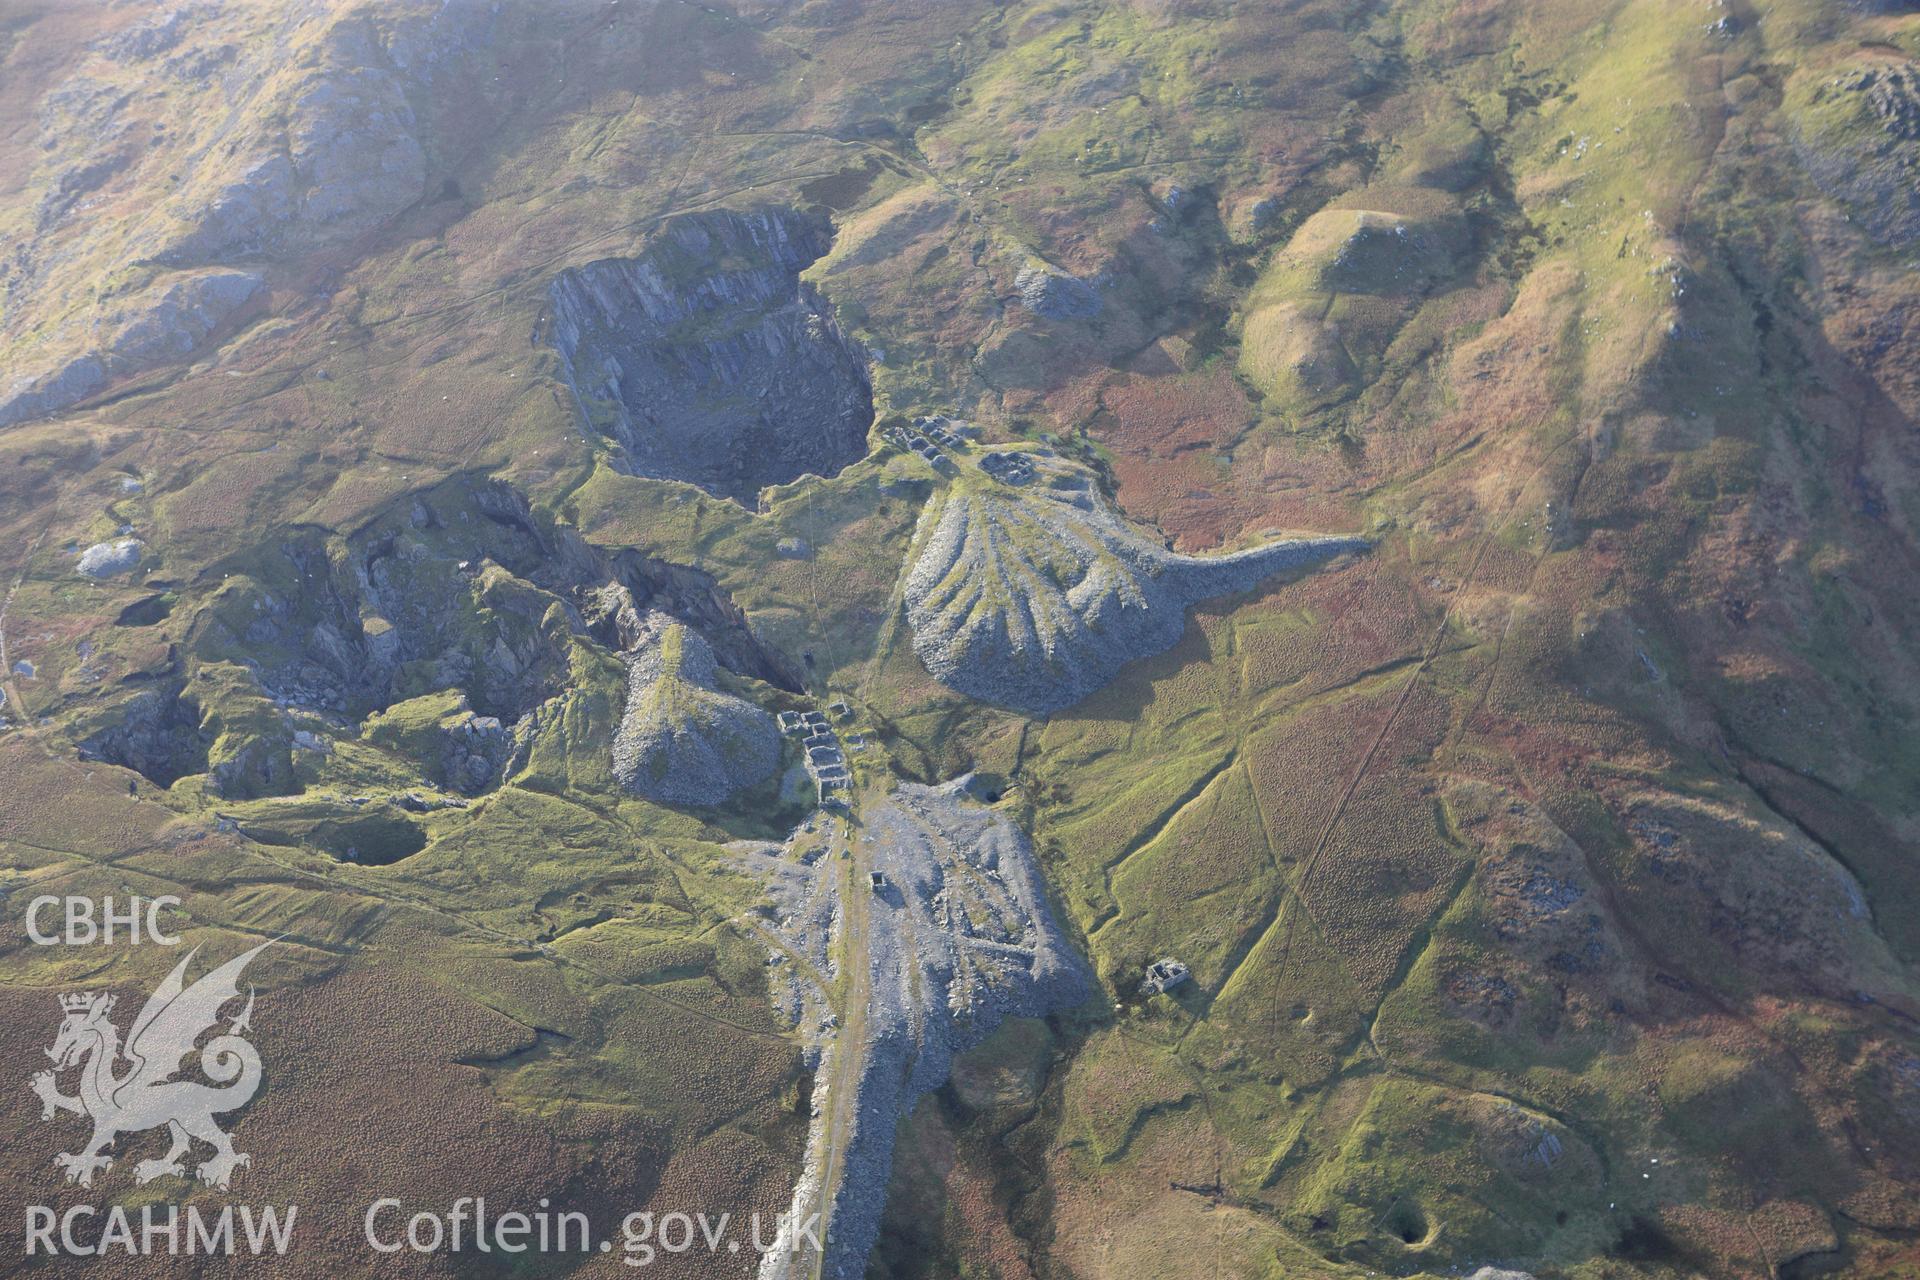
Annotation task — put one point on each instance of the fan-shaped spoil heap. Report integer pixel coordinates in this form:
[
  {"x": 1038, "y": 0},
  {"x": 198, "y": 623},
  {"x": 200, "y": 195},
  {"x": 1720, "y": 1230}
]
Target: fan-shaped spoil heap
[
  {"x": 681, "y": 740},
  {"x": 1034, "y": 598},
  {"x": 954, "y": 938}
]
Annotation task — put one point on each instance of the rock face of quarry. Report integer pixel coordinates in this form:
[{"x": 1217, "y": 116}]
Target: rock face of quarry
[
  {"x": 957, "y": 938},
  {"x": 1034, "y": 598},
  {"x": 158, "y": 736},
  {"x": 681, "y": 740},
  {"x": 462, "y": 589},
  {"x": 710, "y": 360}
]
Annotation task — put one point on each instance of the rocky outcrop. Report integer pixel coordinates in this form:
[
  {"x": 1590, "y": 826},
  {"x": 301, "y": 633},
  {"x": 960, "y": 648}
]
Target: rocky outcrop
[
  {"x": 177, "y": 315},
  {"x": 169, "y": 320},
  {"x": 1034, "y": 598},
  {"x": 477, "y": 750},
  {"x": 326, "y": 148},
  {"x": 1056, "y": 295},
  {"x": 463, "y": 588},
  {"x": 256, "y": 132},
  {"x": 696, "y": 597},
  {"x": 213, "y": 722},
  {"x": 681, "y": 739},
  {"x": 390, "y": 620},
  {"x": 51, "y": 389},
  {"x": 1893, "y": 95},
  {"x": 1858, "y": 136},
  {"x": 708, "y": 358}
]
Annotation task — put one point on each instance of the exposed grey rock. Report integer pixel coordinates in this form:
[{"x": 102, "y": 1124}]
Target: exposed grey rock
[
  {"x": 35, "y": 395},
  {"x": 335, "y": 148},
  {"x": 176, "y": 315},
  {"x": 73, "y": 182},
  {"x": 1034, "y": 598},
  {"x": 1893, "y": 95},
  {"x": 331, "y": 625},
  {"x": 612, "y": 617},
  {"x": 794, "y": 548},
  {"x": 354, "y": 150},
  {"x": 170, "y": 319},
  {"x": 959, "y": 938},
  {"x": 462, "y": 588},
  {"x": 105, "y": 559},
  {"x": 478, "y": 748},
  {"x": 157, "y": 735},
  {"x": 709, "y": 358},
  {"x": 681, "y": 740},
  {"x": 245, "y": 212},
  {"x": 1873, "y": 162},
  {"x": 264, "y": 153},
  {"x": 1498, "y": 1273},
  {"x": 1056, "y": 295},
  {"x": 414, "y": 802},
  {"x": 148, "y": 38}
]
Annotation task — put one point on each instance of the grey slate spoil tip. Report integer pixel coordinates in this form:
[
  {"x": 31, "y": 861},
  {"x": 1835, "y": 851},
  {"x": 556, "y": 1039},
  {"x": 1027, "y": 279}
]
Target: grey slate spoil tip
[{"x": 106, "y": 559}]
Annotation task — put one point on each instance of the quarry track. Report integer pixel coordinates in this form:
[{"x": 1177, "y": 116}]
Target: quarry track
[{"x": 843, "y": 1083}]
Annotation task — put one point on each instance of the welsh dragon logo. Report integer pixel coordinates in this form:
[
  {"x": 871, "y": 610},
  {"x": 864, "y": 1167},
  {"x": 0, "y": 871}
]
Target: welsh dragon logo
[{"x": 144, "y": 1094}]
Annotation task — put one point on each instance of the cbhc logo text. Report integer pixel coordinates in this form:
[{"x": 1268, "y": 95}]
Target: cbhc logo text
[{"x": 82, "y": 922}]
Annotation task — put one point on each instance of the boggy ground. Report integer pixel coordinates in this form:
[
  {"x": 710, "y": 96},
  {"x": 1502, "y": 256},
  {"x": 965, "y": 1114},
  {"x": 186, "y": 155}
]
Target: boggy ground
[{"x": 1567, "y": 831}]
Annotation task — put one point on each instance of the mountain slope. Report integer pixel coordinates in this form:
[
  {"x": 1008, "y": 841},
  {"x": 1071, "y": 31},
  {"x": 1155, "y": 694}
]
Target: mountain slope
[{"x": 380, "y": 376}]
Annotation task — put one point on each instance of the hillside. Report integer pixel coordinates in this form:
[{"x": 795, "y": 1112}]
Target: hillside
[{"x": 725, "y": 577}]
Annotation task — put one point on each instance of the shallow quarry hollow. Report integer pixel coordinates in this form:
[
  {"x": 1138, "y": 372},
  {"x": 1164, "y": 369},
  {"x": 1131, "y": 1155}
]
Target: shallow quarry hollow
[{"x": 710, "y": 360}]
